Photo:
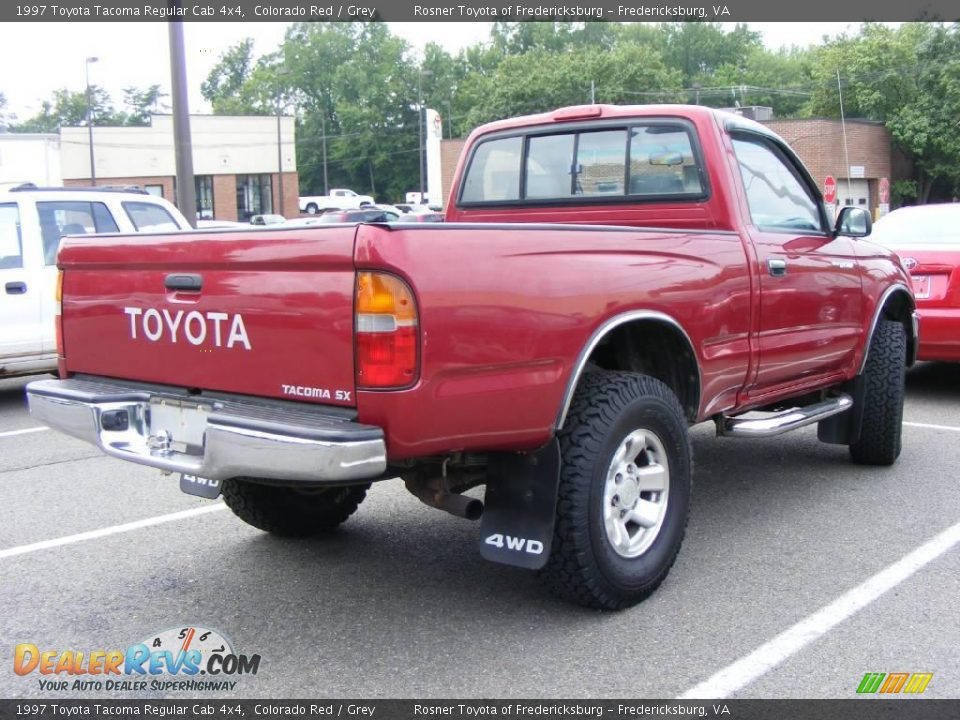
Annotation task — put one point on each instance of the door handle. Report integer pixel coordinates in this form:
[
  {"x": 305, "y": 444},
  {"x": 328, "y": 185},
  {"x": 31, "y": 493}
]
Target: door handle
[
  {"x": 185, "y": 282},
  {"x": 16, "y": 288},
  {"x": 777, "y": 267}
]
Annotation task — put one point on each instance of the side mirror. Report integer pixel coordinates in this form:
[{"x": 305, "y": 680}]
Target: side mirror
[{"x": 853, "y": 222}]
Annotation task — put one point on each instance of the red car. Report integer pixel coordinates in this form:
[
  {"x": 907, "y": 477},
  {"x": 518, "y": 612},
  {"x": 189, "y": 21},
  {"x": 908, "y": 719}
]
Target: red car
[{"x": 927, "y": 239}]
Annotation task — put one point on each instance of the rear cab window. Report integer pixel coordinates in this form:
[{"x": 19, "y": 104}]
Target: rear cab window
[{"x": 642, "y": 159}]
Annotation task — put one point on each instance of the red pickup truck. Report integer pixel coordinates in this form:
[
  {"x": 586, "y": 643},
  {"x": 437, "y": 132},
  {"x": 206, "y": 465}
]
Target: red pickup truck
[{"x": 608, "y": 277}]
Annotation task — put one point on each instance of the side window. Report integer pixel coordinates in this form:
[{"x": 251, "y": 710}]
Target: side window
[
  {"x": 146, "y": 216},
  {"x": 59, "y": 218},
  {"x": 11, "y": 243},
  {"x": 662, "y": 162},
  {"x": 494, "y": 172},
  {"x": 777, "y": 196},
  {"x": 601, "y": 161},
  {"x": 549, "y": 164}
]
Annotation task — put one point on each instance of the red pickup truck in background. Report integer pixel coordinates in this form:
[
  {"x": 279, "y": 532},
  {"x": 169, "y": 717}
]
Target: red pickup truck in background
[{"x": 609, "y": 276}]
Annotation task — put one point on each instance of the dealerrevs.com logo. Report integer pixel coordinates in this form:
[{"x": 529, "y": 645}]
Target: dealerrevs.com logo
[
  {"x": 893, "y": 683},
  {"x": 186, "y": 659}
]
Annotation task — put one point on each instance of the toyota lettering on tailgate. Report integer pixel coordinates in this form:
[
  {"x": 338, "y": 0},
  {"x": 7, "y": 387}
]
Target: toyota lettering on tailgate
[{"x": 196, "y": 327}]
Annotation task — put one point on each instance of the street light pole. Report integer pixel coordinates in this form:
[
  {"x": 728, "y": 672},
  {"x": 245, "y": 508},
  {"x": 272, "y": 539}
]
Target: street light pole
[
  {"x": 420, "y": 124},
  {"x": 323, "y": 132},
  {"x": 280, "y": 73},
  {"x": 93, "y": 172}
]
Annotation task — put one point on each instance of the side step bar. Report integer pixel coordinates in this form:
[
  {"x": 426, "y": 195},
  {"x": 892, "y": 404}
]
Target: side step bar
[{"x": 784, "y": 421}]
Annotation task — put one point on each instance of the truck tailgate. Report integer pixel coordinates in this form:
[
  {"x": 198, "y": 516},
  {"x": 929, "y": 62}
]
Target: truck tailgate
[{"x": 257, "y": 313}]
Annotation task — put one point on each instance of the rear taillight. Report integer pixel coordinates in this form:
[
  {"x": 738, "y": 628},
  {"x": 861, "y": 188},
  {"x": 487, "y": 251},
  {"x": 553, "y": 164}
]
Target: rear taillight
[
  {"x": 58, "y": 321},
  {"x": 387, "y": 333}
]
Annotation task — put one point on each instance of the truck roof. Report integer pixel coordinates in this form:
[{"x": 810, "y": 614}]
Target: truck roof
[{"x": 576, "y": 113}]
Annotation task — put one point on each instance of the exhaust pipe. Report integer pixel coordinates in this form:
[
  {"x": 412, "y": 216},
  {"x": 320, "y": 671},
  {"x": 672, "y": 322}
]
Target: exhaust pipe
[
  {"x": 430, "y": 492},
  {"x": 459, "y": 505}
]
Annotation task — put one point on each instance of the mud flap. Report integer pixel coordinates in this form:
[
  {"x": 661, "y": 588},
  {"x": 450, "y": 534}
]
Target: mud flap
[
  {"x": 844, "y": 428},
  {"x": 201, "y": 487},
  {"x": 520, "y": 507}
]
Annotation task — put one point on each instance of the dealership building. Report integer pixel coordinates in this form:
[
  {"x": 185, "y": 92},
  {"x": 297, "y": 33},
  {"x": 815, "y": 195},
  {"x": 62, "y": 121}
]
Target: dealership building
[{"x": 237, "y": 162}]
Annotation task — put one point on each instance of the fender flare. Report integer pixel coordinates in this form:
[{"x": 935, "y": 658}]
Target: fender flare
[
  {"x": 913, "y": 329},
  {"x": 600, "y": 333}
]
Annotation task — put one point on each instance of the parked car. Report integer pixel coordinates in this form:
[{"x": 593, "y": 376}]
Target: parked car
[
  {"x": 386, "y": 207},
  {"x": 267, "y": 219},
  {"x": 32, "y": 222},
  {"x": 927, "y": 239},
  {"x": 339, "y": 198},
  {"x": 421, "y": 216},
  {"x": 363, "y": 215},
  {"x": 220, "y": 224}
]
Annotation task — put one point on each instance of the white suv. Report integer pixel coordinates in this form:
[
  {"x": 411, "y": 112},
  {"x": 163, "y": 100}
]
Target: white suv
[{"x": 32, "y": 222}]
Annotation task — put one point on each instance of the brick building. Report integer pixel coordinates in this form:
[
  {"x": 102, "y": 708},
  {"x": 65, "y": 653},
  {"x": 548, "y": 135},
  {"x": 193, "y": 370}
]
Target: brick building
[
  {"x": 818, "y": 142},
  {"x": 869, "y": 156},
  {"x": 235, "y": 162}
]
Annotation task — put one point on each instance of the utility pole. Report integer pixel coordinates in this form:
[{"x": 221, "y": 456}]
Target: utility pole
[
  {"x": 93, "y": 171},
  {"x": 323, "y": 131},
  {"x": 280, "y": 209},
  {"x": 183, "y": 148}
]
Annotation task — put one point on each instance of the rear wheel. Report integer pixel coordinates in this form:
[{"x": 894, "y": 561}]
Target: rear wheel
[
  {"x": 625, "y": 487},
  {"x": 312, "y": 209},
  {"x": 291, "y": 512},
  {"x": 883, "y": 378}
]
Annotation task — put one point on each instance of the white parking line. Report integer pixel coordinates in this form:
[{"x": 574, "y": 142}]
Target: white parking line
[
  {"x": 766, "y": 657},
  {"x": 933, "y": 427},
  {"x": 25, "y": 431},
  {"x": 112, "y": 530}
]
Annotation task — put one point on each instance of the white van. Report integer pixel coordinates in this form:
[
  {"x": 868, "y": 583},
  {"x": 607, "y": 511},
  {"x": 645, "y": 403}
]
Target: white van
[{"x": 32, "y": 222}]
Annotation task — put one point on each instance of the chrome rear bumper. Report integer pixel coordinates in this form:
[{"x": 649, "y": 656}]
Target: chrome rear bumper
[{"x": 212, "y": 438}]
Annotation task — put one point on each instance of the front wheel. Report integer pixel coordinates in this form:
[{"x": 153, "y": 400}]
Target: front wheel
[
  {"x": 288, "y": 511},
  {"x": 883, "y": 391},
  {"x": 625, "y": 488}
]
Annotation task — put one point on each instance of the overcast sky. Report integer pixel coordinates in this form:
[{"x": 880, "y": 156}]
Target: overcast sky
[{"x": 39, "y": 58}]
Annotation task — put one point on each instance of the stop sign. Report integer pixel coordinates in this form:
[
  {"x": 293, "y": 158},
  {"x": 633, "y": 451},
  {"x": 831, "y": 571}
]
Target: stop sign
[
  {"x": 830, "y": 189},
  {"x": 884, "y": 191}
]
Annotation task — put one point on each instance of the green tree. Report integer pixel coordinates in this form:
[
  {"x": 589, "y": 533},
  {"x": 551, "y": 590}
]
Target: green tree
[
  {"x": 353, "y": 84},
  {"x": 141, "y": 104},
  {"x": 541, "y": 80},
  {"x": 517, "y": 38},
  {"x": 698, "y": 49},
  {"x": 907, "y": 77},
  {"x": 6, "y": 118},
  {"x": 69, "y": 108},
  {"x": 228, "y": 85},
  {"x": 778, "y": 79}
]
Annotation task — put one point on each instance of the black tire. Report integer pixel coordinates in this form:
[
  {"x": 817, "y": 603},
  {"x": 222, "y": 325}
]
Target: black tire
[
  {"x": 291, "y": 512},
  {"x": 312, "y": 209},
  {"x": 883, "y": 390},
  {"x": 584, "y": 566}
]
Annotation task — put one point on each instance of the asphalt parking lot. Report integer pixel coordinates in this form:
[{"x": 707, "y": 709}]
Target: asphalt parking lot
[{"x": 398, "y": 603}]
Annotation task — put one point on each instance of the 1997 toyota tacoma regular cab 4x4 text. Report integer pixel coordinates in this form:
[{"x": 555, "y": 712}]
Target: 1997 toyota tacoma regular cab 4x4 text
[{"x": 608, "y": 277}]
